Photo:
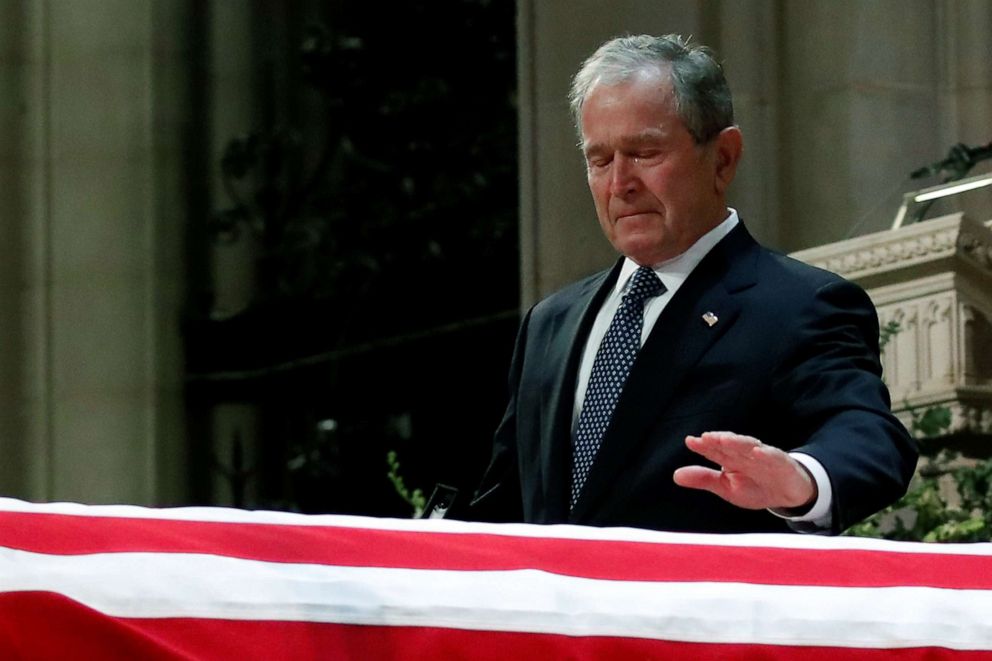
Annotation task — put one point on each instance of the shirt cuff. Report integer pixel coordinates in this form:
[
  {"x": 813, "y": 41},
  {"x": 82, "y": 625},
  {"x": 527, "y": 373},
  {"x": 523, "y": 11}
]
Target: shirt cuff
[{"x": 820, "y": 514}]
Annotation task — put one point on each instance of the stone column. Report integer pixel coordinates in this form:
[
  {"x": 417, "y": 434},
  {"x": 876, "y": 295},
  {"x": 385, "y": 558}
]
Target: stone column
[
  {"x": 93, "y": 217},
  {"x": 748, "y": 46},
  {"x": 859, "y": 85},
  {"x": 25, "y": 420},
  {"x": 963, "y": 32}
]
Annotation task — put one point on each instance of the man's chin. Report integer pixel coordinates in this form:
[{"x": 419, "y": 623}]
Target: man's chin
[{"x": 642, "y": 249}]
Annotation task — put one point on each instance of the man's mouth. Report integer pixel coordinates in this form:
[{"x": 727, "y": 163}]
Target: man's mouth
[{"x": 632, "y": 214}]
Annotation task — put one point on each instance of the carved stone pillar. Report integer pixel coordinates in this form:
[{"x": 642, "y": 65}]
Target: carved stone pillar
[{"x": 92, "y": 166}]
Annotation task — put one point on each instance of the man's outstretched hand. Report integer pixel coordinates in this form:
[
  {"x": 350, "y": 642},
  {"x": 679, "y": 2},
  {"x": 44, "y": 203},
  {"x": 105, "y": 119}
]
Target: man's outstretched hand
[{"x": 753, "y": 476}]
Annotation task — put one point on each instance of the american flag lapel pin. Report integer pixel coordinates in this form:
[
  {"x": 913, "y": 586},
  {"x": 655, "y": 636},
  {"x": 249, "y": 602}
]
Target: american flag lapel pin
[{"x": 710, "y": 319}]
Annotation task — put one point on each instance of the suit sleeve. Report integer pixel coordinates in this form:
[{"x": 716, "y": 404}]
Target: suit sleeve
[
  {"x": 830, "y": 383},
  {"x": 498, "y": 497}
]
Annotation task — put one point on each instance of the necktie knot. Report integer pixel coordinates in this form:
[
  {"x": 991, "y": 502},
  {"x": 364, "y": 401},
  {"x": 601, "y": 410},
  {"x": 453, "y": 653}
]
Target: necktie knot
[{"x": 644, "y": 284}]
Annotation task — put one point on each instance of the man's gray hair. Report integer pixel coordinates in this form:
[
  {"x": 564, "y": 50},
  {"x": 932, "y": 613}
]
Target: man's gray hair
[{"x": 702, "y": 97}]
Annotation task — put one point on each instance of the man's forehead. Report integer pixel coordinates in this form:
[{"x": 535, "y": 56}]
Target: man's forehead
[
  {"x": 645, "y": 127},
  {"x": 648, "y": 95}
]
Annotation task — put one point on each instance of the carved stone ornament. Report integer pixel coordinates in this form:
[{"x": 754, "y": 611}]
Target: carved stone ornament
[
  {"x": 867, "y": 257},
  {"x": 934, "y": 281}
]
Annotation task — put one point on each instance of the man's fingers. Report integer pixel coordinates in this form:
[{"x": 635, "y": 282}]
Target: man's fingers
[
  {"x": 724, "y": 448},
  {"x": 751, "y": 474},
  {"x": 698, "y": 477}
]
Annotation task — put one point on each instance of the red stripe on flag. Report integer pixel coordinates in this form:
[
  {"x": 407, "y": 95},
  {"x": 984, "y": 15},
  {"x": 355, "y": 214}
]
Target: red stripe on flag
[
  {"x": 603, "y": 559},
  {"x": 41, "y": 626}
]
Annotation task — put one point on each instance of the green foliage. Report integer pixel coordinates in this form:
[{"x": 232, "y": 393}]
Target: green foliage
[
  {"x": 416, "y": 498},
  {"x": 886, "y": 333},
  {"x": 931, "y": 423}
]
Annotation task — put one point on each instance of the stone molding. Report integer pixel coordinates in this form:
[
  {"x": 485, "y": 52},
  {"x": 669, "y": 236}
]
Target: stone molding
[
  {"x": 955, "y": 235},
  {"x": 966, "y": 417}
]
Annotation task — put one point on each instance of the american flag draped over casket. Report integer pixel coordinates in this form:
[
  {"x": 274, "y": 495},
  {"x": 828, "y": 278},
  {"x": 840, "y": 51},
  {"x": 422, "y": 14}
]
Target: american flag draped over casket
[{"x": 122, "y": 582}]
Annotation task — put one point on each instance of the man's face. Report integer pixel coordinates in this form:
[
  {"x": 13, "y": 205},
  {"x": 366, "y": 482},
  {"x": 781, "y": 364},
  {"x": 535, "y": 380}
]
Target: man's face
[{"x": 656, "y": 191}]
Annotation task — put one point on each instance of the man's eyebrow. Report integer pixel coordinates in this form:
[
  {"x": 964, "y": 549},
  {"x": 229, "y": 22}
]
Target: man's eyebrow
[
  {"x": 645, "y": 138},
  {"x": 594, "y": 148}
]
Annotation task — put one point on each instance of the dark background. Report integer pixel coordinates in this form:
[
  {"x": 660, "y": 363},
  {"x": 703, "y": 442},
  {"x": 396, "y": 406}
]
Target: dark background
[{"x": 380, "y": 192}]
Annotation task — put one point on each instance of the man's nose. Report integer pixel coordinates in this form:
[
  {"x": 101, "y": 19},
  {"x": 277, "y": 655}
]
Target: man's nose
[{"x": 625, "y": 179}]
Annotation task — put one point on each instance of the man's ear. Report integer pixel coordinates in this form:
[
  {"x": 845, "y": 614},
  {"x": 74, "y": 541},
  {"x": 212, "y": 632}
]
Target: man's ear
[{"x": 729, "y": 145}]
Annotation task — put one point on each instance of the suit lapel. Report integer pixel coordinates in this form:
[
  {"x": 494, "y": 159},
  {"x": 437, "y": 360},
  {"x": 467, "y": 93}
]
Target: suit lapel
[
  {"x": 678, "y": 340},
  {"x": 563, "y": 353}
]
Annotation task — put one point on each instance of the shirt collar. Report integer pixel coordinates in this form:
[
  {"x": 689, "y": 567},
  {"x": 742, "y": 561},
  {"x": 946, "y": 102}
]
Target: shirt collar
[{"x": 674, "y": 271}]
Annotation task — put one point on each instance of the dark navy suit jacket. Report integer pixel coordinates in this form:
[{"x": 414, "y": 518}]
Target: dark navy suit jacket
[{"x": 792, "y": 360}]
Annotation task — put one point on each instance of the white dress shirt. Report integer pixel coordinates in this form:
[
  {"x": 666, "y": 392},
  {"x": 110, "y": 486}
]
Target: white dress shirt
[{"x": 673, "y": 273}]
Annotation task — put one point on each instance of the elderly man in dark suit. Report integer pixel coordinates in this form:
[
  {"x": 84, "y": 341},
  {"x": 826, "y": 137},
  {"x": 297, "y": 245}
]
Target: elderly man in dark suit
[{"x": 704, "y": 383}]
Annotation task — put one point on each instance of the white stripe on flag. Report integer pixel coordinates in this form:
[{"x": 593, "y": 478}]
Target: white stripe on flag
[
  {"x": 158, "y": 585},
  {"x": 229, "y": 515}
]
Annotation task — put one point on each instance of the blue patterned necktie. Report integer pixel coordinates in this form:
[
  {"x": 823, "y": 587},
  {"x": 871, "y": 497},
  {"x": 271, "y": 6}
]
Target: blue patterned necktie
[{"x": 613, "y": 360}]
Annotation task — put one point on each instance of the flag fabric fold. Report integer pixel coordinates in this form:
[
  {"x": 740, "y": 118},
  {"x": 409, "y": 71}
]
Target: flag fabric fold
[{"x": 126, "y": 582}]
